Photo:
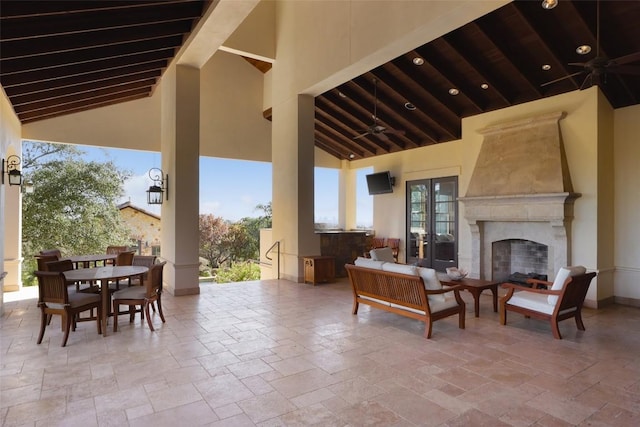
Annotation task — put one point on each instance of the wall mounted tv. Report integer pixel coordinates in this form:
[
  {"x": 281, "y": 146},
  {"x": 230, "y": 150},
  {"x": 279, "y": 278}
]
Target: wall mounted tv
[{"x": 380, "y": 183}]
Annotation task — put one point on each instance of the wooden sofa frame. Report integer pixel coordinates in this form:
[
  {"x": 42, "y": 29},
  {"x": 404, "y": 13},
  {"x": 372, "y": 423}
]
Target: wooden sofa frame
[{"x": 402, "y": 290}]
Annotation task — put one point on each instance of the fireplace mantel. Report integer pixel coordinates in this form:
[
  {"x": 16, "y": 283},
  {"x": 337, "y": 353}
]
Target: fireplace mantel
[
  {"x": 521, "y": 189},
  {"x": 552, "y": 207}
]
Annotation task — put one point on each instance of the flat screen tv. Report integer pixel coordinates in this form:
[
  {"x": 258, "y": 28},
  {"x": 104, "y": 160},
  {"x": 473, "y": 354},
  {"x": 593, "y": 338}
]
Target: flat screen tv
[{"x": 380, "y": 183}]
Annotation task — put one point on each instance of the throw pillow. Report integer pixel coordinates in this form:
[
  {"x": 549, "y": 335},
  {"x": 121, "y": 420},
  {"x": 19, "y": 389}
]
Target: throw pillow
[
  {"x": 563, "y": 274},
  {"x": 382, "y": 254},
  {"x": 431, "y": 282}
]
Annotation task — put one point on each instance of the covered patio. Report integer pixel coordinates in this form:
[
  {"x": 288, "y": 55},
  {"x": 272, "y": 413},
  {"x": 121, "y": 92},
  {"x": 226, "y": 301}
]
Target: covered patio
[{"x": 275, "y": 352}]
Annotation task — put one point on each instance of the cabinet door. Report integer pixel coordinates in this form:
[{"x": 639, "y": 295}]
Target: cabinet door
[{"x": 432, "y": 222}]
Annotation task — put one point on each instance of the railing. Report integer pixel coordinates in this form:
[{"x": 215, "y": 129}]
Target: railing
[{"x": 266, "y": 255}]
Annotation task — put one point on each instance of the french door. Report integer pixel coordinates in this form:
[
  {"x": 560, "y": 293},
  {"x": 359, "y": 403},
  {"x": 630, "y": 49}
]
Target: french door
[{"x": 432, "y": 222}]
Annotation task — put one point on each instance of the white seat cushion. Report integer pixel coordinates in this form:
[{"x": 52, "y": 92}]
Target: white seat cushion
[
  {"x": 531, "y": 301},
  {"x": 563, "y": 274},
  {"x": 431, "y": 282},
  {"x": 442, "y": 305},
  {"x": 368, "y": 263},
  {"x": 382, "y": 254}
]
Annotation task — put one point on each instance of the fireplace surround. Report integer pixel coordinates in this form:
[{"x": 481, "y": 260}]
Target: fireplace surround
[{"x": 520, "y": 189}]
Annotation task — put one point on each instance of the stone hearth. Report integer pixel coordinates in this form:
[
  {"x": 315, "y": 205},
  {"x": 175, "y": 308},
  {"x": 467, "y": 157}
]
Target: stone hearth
[{"x": 521, "y": 189}]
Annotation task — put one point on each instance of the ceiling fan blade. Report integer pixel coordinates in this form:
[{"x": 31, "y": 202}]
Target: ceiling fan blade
[
  {"x": 633, "y": 57},
  {"x": 578, "y": 64},
  {"x": 626, "y": 69},
  {"x": 382, "y": 136},
  {"x": 589, "y": 78},
  {"x": 361, "y": 135},
  {"x": 561, "y": 78}
]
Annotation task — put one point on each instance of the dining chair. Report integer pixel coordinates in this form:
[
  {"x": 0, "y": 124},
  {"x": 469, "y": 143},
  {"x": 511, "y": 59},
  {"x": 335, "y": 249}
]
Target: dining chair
[
  {"x": 55, "y": 252},
  {"x": 144, "y": 296},
  {"x": 114, "y": 250},
  {"x": 142, "y": 261},
  {"x": 63, "y": 265},
  {"x": 55, "y": 298}
]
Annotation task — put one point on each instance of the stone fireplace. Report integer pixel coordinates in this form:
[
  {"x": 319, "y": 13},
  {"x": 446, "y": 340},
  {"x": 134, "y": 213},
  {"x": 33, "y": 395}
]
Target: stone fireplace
[{"x": 521, "y": 189}]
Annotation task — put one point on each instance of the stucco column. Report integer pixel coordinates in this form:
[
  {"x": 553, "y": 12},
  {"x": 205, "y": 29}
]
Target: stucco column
[
  {"x": 12, "y": 238},
  {"x": 180, "y": 160},
  {"x": 293, "y": 173},
  {"x": 347, "y": 202}
]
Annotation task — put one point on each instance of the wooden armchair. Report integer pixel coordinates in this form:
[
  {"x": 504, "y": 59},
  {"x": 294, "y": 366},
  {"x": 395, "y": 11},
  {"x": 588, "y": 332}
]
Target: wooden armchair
[
  {"x": 562, "y": 301},
  {"x": 54, "y": 298},
  {"x": 145, "y": 296}
]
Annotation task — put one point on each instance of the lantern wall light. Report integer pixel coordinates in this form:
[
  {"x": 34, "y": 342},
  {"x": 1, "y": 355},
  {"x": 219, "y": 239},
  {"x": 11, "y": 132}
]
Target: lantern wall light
[
  {"x": 155, "y": 193},
  {"x": 10, "y": 168}
]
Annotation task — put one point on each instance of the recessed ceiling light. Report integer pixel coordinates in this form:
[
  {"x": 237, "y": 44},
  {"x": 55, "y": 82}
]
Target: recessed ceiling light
[
  {"x": 546, "y": 67},
  {"x": 453, "y": 91},
  {"x": 342, "y": 95},
  {"x": 549, "y": 4},
  {"x": 418, "y": 61},
  {"x": 484, "y": 86},
  {"x": 409, "y": 106},
  {"x": 584, "y": 49},
  {"x": 352, "y": 156}
]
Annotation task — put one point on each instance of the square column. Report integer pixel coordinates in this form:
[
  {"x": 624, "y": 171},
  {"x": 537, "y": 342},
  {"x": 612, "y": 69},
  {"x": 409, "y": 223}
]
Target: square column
[{"x": 180, "y": 160}]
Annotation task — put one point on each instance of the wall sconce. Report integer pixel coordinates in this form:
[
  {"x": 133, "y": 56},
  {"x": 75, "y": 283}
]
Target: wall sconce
[
  {"x": 27, "y": 187},
  {"x": 10, "y": 167},
  {"x": 155, "y": 193},
  {"x": 549, "y": 4}
]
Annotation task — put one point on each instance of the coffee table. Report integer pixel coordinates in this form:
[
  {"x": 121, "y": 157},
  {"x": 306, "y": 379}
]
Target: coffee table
[{"x": 475, "y": 287}]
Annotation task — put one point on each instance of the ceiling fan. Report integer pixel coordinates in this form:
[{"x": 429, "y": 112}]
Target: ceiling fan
[
  {"x": 375, "y": 128},
  {"x": 598, "y": 67}
]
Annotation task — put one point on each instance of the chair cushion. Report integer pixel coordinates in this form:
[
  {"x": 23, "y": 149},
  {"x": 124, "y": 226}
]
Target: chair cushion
[
  {"x": 132, "y": 292},
  {"x": 382, "y": 254},
  {"x": 78, "y": 299},
  {"x": 432, "y": 283},
  {"x": 392, "y": 267},
  {"x": 563, "y": 274},
  {"x": 368, "y": 263},
  {"x": 531, "y": 301}
]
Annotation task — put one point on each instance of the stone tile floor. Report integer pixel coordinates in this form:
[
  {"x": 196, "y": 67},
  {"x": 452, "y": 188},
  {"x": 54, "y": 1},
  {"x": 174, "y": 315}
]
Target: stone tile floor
[{"x": 277, "y": 353}]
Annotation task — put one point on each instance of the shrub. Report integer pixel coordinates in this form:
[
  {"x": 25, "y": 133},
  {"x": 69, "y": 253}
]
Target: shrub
[{"x": 238, "y": 272}]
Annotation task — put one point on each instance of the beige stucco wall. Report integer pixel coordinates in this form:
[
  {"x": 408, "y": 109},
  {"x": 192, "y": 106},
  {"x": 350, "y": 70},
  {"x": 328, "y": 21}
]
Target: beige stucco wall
[
  {"x": 627, "y": 204},
  {"x": 10, "y": 252}
]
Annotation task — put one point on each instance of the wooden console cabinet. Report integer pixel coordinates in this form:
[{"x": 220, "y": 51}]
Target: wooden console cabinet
[{"x": 319, "y": 269}]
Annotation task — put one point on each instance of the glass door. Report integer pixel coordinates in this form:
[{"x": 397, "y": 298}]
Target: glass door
[{"x": 432, "y": 222}]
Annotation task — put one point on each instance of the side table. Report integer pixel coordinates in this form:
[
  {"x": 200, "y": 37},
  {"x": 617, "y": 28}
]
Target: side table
[
  {"x": 319, "y": 269},
  {"x": 475, "y": 287}
]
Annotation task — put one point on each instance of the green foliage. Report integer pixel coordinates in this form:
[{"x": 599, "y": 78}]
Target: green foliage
[
  {"x": 222, "y": 242},
  {"x": 238, "y": 272},
  {"x": 74, "y": 204}
]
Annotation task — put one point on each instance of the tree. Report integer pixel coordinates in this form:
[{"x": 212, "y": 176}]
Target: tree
[
  {"x": 213, "y": 231},
  {"x": 74, "y": 203}
]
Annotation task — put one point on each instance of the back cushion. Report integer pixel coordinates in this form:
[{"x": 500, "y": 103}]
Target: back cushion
[
  {"x": 392, "y": 267},
  {"x": 563, "y": 274},
  {"x": 431, "y": 282},
  {"x": 368, "y": 263},
  {"x": 382, "y": 254}
]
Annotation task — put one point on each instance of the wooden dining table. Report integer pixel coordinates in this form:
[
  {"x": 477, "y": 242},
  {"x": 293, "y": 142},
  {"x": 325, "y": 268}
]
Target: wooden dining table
[
  {"x": 91, "y": 260},
  {"x": 103, "y": 275}
]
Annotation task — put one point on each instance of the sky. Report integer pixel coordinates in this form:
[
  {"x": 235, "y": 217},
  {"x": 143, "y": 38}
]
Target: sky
[{"x": 231, "y": 189}]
